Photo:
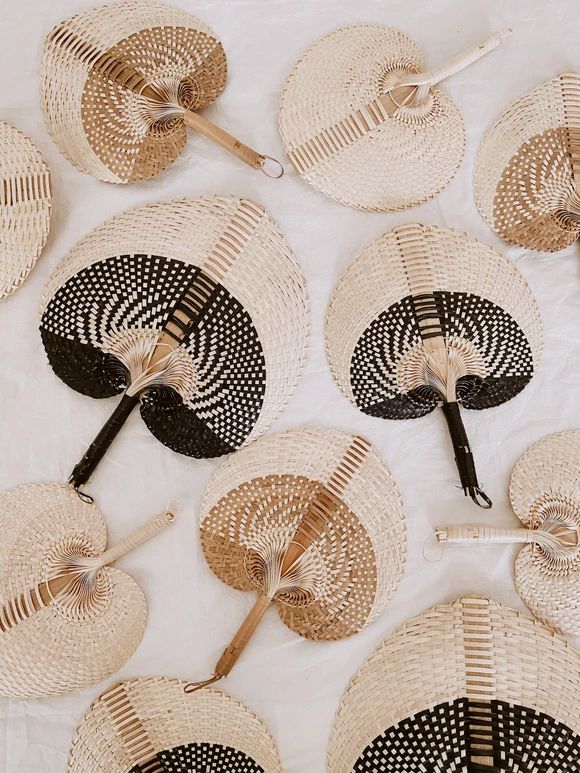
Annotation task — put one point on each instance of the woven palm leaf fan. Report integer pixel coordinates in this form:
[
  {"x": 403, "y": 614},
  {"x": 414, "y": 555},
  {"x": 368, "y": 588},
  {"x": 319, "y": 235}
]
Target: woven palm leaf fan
[
  {"x": 527, "y": 170},
  {"x": 121, "y": 82},
  {"x": 468, "y": 687},
  {"x": 67, "y": 619},
  {"x": 362, "y": 121},
  {"x": 545, "y": 495},
  {"x": 312, "y": 521},
  {"x": 428, "y": 316},
  {"x": 148, "y": 725},
  {"x": 25, "y": 204},
  {"x": 196, "y": 309}
]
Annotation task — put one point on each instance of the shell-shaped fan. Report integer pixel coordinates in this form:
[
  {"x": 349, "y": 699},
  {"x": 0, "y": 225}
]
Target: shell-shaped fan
[
  {"x": 148, "y": 724},
  {"x": 67, "y": 619},
  {"x": 196, "y": 309},
  {"x": 428, "y": 316},
  {"x": 527, "y": 170},
  {"x": 25, "y": 204},
  {"x": 545, "y": 495},
  {"x": 362, "y": 121},
  {"x": 121, "y": 82},
  {"x": 469, "y": 686},
  {"x": 311, "y": 520}
]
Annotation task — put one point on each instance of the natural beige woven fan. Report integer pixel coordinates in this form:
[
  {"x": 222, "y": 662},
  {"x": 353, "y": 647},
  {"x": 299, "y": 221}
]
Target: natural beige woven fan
[
  {"x": 149, "y": 725},
  {"x": 470, "y": 687},
  {"x": 25, "y": 204},
  {"x": 121, "y": 83},
  {"x": 429, "y": 316},
  {"x": 313, "y": 521},
  {"x": 545, "y": 495},
  {"x": 67, "y": 619},
  {"x": 527, "y": 170},
  {"x": 362, "y": 121},
  {"x": 195, "y": 310}
]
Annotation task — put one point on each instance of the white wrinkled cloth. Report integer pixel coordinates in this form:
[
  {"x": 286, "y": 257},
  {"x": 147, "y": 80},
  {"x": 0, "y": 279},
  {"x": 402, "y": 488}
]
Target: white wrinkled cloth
[{"x": 294, "y": 685}]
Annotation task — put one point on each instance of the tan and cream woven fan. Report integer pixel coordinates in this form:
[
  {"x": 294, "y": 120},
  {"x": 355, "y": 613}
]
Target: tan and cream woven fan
[
  {"x": 469, "y": 687},
  {"x": 311, "y": 520},
  {"x": 121, "y": 82},
  {"x": 545, "y": 495},
  {"x": 429, "y": 316},
  {"x": 148, "y": 725},
  {"x": 67, "y": 619},
  {"x": 363, "y": 122},
  {"x": 527, "y": 170},
  {"x": 25, "y": 204},
  {"x": 195, "y": 310}
]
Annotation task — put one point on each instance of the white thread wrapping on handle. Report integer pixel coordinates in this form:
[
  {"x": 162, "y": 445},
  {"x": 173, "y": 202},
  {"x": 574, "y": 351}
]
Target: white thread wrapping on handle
[
  {"x": 485, "y": 534},
  {"x": 455, "y": 64},
  {"x": 136, "y": 538}
]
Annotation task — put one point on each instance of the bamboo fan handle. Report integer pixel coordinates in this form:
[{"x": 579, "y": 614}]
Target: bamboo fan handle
[
  {"x": 139, "y": 537},
  {"x": 464, "y": 456},
  {"x": 87, "y": 465},
  {"x": 246, "y": 154},
  {"x": 232, "y": 652},
  {"x": 484, "y": 534},
  {"x": 455, "y": 64}
]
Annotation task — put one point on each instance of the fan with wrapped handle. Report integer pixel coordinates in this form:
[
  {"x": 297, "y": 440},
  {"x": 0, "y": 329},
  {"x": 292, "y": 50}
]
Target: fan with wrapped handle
[
  {"x": 122, "y": 82},
  {"x": 312, "y": 521},
  {"x": 67, "y": 618},
  {"x": 430, "y": 316},
  {"x": 545, "y": 496},
  {"x": 364, "y": 122},
  {"x": 196, "y": 310}
]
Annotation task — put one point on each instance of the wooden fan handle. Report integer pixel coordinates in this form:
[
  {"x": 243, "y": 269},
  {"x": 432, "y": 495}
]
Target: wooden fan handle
[
  {"x": 225, "y": 139},
  {"x": 243, "y": 635}
]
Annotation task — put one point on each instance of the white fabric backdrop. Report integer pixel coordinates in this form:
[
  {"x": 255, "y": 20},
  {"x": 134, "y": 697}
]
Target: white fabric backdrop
[{"x": 294, "y": 685}]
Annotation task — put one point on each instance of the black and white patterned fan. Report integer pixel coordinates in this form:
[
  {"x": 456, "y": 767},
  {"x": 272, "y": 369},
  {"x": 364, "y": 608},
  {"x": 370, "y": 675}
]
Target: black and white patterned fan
[
  {"x": 427, "y": 316},
  {"x": 149, "y": 725},
  {"x": 195, "y": 309}
]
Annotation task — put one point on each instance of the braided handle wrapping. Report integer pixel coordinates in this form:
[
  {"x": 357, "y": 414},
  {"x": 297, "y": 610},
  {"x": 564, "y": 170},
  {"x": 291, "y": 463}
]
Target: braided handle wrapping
[
  {"x": 484, "y": 534},
  {"x": 136, "y": 538}
]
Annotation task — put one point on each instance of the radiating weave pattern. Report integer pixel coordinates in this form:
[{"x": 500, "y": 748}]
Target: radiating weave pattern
[
  {"x": 338, "y": 136},
  {"x": 527, "y": 170},
  {"x": 375, "y": 319},
  {"x": 471, "y": 686},
  {"x": 246, "y": 347},
  {"x": 257, "y": 500},
  {"x": 545, "y": 484},
  {"x": 149, "y": 725},
  {"x": 25, "y": 205},
  {"x": 83, "y": 635},
  {"x": 97, "y": 63}
]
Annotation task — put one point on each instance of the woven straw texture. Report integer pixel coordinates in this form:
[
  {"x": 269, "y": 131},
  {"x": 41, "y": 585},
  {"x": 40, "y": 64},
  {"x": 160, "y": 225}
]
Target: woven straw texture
[
  {"x": 261, "y": 499},
  {"x": 95, "y": 65},
  {"x": 545, "y": 490},
  {"x": 230, "y": 370},
  {"x": 527, "y": 171},
  {"x": 149, "y": 725},
  {"x": 473, "y": 687},
  {"x": 86, "y": 632},
  {"x": 427, "y": 316},
  {"x": 25, "y": 204},
  {"x": 341, "y": 140}
]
